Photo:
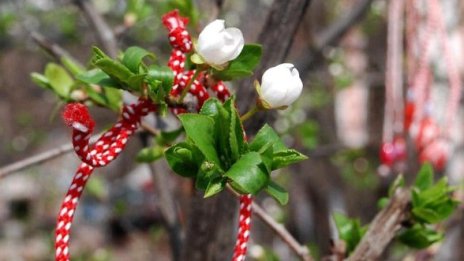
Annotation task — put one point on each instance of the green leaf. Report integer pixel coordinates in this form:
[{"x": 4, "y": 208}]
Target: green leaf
[
  {"x": 249, "y": 175},
  {"x": 383, "y": 202},
  {"x": 277, "y": 192},
  {"x": 72, "y": 65},
  {"x": 214, "y": 109},
  {"x": 208, "y": 173},
  {"x": 426, "y": 215},
  {"x": 424, "y": 178},
  {"x": 59, "y": 79},
  {"x": 419, "y": 237},
  {"x": 243, "y": 65},
  {"x": 168, "y": 137},
  {"x": 349, "y": 230},
  {"x": 114, "y": 69},
  {"x": 150, "y": 154},
  {"x": 200, "y": 129},
  {"x": 286, "y": 157},
  {"x": 283, "y": 156},
  {"x": 265, "y": 136},
  {"x": 41, "y": 80},
  {"x": 184, "y": 159},
  {"x": 215, "y": 186},
  {"x": 133, "y": 58},
  {"x": 236, "y": 139},
  {"x": 162, "y": 74}
]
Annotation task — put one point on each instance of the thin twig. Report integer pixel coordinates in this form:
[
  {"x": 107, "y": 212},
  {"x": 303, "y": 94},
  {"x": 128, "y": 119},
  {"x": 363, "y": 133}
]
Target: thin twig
[
  {"x": 103, "y": 31},
  {"x": 301, "y": 250},
  {"x": 39, "y": 158},
  {"x": 51, "y": 48},
  {"x": 54, "y": 153}
]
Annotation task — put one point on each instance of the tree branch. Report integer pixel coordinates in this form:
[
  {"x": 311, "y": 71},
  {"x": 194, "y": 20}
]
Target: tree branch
[
  {"x": 333, "y": 34},
  {"x": 384, "y": 227},
  {"x": 103, "y": 31},
  {"x": 39, "y": 158}
]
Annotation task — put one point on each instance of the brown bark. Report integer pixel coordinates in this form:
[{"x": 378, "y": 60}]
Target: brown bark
[{"x": 383, "y": 228}]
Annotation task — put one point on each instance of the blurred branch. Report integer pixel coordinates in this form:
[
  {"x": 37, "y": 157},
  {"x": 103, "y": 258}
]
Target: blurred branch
[
  {"x": 333, "y": 34},
  {"x": 38, "y": 158},
  {"x": 104, "y": 33},
  {"x": 301, "y": 250},
  {"x": 54, "y": 153},
  {"x": 48, "y": 46},
  {"x": 384, "y": 227}
]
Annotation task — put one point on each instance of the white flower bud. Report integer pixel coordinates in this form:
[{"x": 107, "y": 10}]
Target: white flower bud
[
  {"x": 280, "y": 86},
  {"x": 218, "y": 45}
]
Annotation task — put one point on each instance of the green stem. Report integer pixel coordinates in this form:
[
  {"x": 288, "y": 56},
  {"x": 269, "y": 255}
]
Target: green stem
[
  {"x": 189, "y": 84},
  {"x": 249, "y": 113}
]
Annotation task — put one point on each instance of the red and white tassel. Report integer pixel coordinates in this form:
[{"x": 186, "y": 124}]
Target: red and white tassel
[{"x": 105, "y": 150}]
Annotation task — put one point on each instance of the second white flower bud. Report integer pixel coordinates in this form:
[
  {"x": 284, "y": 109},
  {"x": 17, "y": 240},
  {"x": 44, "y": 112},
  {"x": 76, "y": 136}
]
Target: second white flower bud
[{"x": 280, "y": 86}]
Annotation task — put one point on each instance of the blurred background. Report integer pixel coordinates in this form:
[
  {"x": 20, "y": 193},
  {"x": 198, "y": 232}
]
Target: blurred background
[{"x": 338, "y": 123}]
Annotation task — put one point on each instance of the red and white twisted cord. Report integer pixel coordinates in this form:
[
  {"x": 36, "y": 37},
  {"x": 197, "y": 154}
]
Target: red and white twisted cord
[
  {"x": 105, "y": 150},
  {"x": 244, "y": 223}
]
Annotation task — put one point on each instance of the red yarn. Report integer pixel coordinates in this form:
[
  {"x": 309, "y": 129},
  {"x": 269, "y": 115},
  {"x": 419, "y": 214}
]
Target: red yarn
[{"x": 78, "y": 113}]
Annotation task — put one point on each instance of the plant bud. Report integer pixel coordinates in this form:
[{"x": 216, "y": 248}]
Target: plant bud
[
  {"x": 280, "y": 86},
  {"x": 218, "y": 45}
]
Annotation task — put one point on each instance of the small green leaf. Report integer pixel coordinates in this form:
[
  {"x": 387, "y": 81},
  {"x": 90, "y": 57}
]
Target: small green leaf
[
  {"x": 133, "y": 58},
  {"x": 264, "y": 136},
  {"x": 382, "y": 202},
  {"x": 150, "y": 154},
  {"x": 286, "y": 157},
  {"x": 200, "y": 129},
  {"x": 424, "y": 178},
  {"x": 209, "y": 172},
  {"x": 215, "y": 186},
  {"x": 349, "y": 230},
  {"x": 419, "y": 237},
  {"x": 249, "y": 174},
  {"x": 59, "y": 79},
  {"x": 243, "y": 65},
  {"x": 168, "y": 137},
  {"x": 426, "y": 215},
  {"x": 41, "y": 80},
  {"x": 184, "y": 159},
  {"x": 277, "y": 192},
  {"x": 236, "y": 139},
  {"x": 72, "y": 65},
  {"x": 162, "y": 74},
  {"x": 114, "y": 69}
]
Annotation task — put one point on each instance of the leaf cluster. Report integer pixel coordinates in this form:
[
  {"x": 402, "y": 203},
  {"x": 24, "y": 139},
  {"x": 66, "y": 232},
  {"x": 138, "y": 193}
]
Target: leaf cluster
[{"x": 216, "y": 153}]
